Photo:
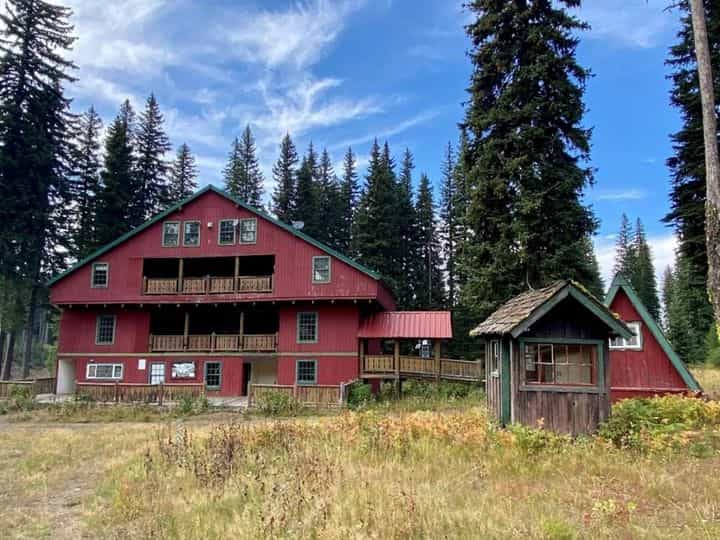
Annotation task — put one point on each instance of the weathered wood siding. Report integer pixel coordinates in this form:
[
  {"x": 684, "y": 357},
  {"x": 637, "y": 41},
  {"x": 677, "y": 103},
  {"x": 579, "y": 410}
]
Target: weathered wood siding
[{"x": 492, "y": 383}]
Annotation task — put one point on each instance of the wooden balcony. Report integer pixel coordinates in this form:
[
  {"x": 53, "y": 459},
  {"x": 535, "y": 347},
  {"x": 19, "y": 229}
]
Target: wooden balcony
[
  {"x": 213, "y": 343},
  {"x": 208, "y": 285},
  {"x": 386, "y": 365}
]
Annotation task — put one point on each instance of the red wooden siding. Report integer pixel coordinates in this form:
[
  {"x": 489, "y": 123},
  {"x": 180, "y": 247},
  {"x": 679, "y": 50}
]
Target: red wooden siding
[
  {"x": 640, "y": 373},
  {"x": 78, "y": 325},
  {"x": 293, "y": 263},
  {"x": 337, "y": 328}
]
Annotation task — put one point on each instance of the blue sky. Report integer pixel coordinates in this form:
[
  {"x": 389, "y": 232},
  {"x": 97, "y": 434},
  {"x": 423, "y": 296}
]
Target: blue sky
[{"x": 341, "y": 72}]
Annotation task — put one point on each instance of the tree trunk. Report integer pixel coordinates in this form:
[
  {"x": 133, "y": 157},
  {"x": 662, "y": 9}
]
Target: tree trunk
[
  {"x": 28, "y": 334},
  {"x": 712, "y": 161},
  {"x": 3, "y": 335},
  {"x": 9, "y": 357}
]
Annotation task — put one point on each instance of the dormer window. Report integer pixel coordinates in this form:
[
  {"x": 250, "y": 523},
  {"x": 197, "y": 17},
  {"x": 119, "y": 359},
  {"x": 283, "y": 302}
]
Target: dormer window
[
  {"x": 321, "y": 269},
  {"x": 100, "y": 275},
  {"x": 248, "y": 231},
  {"x": 633, "y": 344},
  {"x": 191, "y": 233},
  {"x": 226, "y": 232},
  {"x": 171, "y": 234}
]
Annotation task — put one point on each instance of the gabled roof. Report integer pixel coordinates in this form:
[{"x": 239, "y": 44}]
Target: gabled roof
[
  {"x": 619, "y": 282},
  {"x": 407, "y": 325},
  {"x": 235, "y": 200},
  {"x": 518, "y": 314}
]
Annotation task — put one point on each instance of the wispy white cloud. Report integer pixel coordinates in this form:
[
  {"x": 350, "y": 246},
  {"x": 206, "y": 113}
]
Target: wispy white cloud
[
  {"x": 388, "y": 132},
  {"x": 632, "y": 194}
]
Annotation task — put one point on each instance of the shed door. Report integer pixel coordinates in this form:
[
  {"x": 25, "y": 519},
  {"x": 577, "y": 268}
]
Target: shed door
[{"x": 492, "y": 379}]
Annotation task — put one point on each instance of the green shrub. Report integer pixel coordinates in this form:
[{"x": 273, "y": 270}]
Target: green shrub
[
  {"x": 359, "y": 394},
  {"x": 273, "y": 403},
  {"x": 533, "y": 441},
  {"x": 20, "y": 398},
  {"x": 189, "y": 405}
]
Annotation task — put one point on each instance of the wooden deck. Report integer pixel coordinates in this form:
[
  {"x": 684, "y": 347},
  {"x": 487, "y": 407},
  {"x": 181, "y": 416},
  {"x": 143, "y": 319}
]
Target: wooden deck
[
  {"x": 314, "y": 394},
  {"x": 387, "y": 366},
  {"x": 208, "y": 285},
  {"x": 214, "y": 343}
]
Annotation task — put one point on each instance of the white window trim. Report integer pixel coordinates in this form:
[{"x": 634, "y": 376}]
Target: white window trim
[
  {"x": 113, "y": 378},
  {"x": 329, "y": 259},
  {"x": 97, "y": 329},
  {"x": 199, "y": 242},
  {"x": 234, "y": 240},
  {"x": 297, "y": 372},
  {"x": 317, "y": 327},
  {"x": 240, "y": 231},
  {"x": 107, "y": 275},
  {"x": 635, "y": 325},
  {"x": 164, "y": 243}
]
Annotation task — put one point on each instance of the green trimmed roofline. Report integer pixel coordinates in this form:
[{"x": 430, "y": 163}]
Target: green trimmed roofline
[
  {"x": 165, "y": 213},
  {"x": 620, "y": 282}
]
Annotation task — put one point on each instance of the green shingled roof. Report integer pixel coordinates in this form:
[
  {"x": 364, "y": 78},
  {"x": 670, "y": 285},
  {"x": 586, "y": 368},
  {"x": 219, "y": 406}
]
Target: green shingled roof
[{"x": 251, "y": 209}]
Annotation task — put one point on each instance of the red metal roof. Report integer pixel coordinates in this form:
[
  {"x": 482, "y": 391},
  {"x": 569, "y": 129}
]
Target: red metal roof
[{"x": 407, "y": 324}]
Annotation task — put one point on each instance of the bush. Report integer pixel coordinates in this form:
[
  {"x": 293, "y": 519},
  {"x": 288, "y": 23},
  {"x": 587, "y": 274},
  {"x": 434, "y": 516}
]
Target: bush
[
  {"x": 20, "y": 399},
  {"x": 189, "y": 405},
  {"x": 359, "y": 394},
  {"x": 274, "y": 403},
  {"x": 532, "y": 441}
]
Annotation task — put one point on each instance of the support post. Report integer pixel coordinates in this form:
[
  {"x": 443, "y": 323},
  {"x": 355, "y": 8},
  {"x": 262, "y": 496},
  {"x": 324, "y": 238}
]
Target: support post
[
  {"x": 438, "y": 361},
  {"x": 237, "y": 274},
  {"x": 181, "y": 271},
  {"x": 396, "y": 361},
  {"x": 362, "y": 356},
  {"x": 186, "y": 330},
  {"x": 241, "y": 344}
]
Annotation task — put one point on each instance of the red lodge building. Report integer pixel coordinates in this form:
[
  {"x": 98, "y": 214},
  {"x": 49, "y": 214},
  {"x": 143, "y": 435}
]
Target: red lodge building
[{"x": 215, "y": 292}]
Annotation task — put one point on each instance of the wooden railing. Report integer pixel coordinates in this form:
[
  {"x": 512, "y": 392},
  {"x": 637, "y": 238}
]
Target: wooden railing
[
  {"x": 138, "y": 393},
  {"x": 36, "y": 386},
  {"x": 444, "y": 368},
  {"x": 311, "y": 394},
  {"x": 214, "y": 342},
  {"x": 208, "y": 285}
]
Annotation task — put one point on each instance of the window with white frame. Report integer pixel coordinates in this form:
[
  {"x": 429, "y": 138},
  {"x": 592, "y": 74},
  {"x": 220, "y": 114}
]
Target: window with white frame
[
  {"x": 157, "y": 373},
  {"x": 105, "y": 330},
  {"x": 191, "y": 233},
  {"x": 248, "y": 231},
  {"x": 307, "y": 327},
  {"x": 306, "y": 372},
  {"x": 321, "y": 269},
  {"x": 213, "y": 375},
  {"x": 560, "y": 363},
  {"x": 634, "y": 343},
  {"x": 494, "y": 367},
  {"x": 226, "y": 232},
  {"x": 100, "y": 275},
  {"x": 171, "y": 234},
  {"x": 104, "y": 371}
]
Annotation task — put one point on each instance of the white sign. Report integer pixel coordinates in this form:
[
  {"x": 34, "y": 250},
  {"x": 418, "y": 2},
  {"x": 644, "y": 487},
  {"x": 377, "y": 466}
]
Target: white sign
[{"x": 141, "y": 363}]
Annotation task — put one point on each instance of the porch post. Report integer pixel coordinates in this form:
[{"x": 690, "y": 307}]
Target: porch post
[
  {"x": 186, "y": 330},
  {"x": 181, "y": 269},
  {"x": 396, "y": 360},
  {"x": 241, "y": 345},
  {"x": 362, "y": 356},
  {"x": 237, "y": 273},
  {"x": 438, "y": 361}
]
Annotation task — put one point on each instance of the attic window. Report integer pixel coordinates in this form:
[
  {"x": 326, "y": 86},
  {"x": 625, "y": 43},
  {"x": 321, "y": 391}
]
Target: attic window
[
  {"x": 171, "y": 234},
  {"x": 248, "y": 231},
  {"x": 191, "y": 233},
  {"x": 100, "y": 275},
  {"x": 321, "y": 269},
  {"x": 633, "y": 344},
  {"x": 226, "y": 232}
]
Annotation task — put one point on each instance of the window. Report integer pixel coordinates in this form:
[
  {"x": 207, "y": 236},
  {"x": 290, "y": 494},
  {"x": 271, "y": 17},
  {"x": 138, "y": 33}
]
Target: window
[
  {"x": 105, "y": 330},
  {"x": 634, "y": 343},
  {"x": 494, "y": 367},
  {"x": 307, "y": 327},
  {"x": 104, "y": 371},
  {"x": 171, "y": 234},
  {"x": 191, "y": 233},
  {"x": 213, "y": 375},
  {"x": 248, "y": 231},
  {"x": 226, "y": 232},
  {"x": 321, "y": 269},
  {"x": 100, "y": 275},
  {"x": 157, "y": 373},
  {"x": 550, "y": 363},
  {"x": 306, "y": 372}
]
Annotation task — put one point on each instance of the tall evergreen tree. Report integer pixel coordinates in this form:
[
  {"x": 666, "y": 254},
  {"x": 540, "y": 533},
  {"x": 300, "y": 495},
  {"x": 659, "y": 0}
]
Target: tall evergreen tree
[
  {"x": 594, "y": 281},
  {"x": 625, "y": 254},
  {"x": 183, "y": 179},
  {"x": 86, "y": 188},
  {"x": 668, "y": 286},
  {"x": 450, "y": 221},
  {"x": 307, "y": 202},
  {"x": 430, "y": 288},
  {"x": 243, "y": 177},
  {"x": 408, "y": 250},
  {"x": 328, "y": 190},
  {"x": 527, "y": 223},
  {"x": 348, "y": 201},
  {"x": 643, "y": 278},
  {"x": 285, "y": 175},
  {"x": 119, "y": 184},
  {"x": 151, "y": 168}
]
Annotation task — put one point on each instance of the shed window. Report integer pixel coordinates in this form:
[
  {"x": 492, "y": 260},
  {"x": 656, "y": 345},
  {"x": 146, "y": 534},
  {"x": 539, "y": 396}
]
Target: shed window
[
  {"x": 551, "y": 363},
  {"x": 634, "y": 343},
  {"x": 100, "y": 275},
  {"x": 248, "y": 231},
  {"x": 494, "y": 367},
  {"x": 104, "y": 371},
  {"x": 213, "y": 375},
  {"x": 171, "y": 234},
  {"x": 191, "y": 233},
  {"x": 226, "y": 232},
  {"x": 306, "y": 372},
  {"x": 105, "y": 330},
  {"x": 307, "y": 327}
]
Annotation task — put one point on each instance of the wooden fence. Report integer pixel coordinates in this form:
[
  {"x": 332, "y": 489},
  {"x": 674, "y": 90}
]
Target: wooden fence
[
  {"x": 36, "y": 386},
  {"x": 443, "y": 368},
  {"x": 311, "y": 394},
  {"x": 208, "y": 285},
  {"x": 138, "y": 393},
  {"x": 214, "y": 342}
]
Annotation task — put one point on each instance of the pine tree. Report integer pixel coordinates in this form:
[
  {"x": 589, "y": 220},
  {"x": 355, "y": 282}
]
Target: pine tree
[
  {"x": 243, "y": 178},
  {"x": 119, "y": 183},
  {"x": 348, "y": 201},
  {"x": 430, "y": 292},
  {"x": 625, "y": 253},
  {"x": 594, "y": 282},
  {"x": 86, "y": 187},
  {"x": 643, "y": 277},
  {"x": 307, "y": 202},
  {"x": 285, "y": 175},
  {"x": 183, "y": 179},
  {"x": 151, "y": 168},
  {"x": 527, "y": 223},
  {"x": 408, "y": 250},
  {"x": 450, "y": 221},
  {"x": 328, "y": 191}
]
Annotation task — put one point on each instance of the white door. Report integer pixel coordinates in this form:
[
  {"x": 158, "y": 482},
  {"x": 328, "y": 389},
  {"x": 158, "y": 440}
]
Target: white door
[{"x": 157, "y": 373}]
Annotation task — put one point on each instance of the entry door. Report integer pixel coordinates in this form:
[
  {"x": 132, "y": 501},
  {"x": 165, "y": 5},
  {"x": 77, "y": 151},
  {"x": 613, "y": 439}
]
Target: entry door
[
  {"x": 157, "y": 373},
  {"x": 247, "y": 375},
  {"x": 493, "y": 387}
]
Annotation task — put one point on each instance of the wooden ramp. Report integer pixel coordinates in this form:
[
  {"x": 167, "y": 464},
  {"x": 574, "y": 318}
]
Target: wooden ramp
[{"x": 388, "y": 366}]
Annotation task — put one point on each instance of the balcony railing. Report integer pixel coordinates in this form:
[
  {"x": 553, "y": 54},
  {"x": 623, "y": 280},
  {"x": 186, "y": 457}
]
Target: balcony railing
[
  {"x": 208, "y": 285},
  {"x": 443, "y": 368},
  {"x": 213, "y": 343}
]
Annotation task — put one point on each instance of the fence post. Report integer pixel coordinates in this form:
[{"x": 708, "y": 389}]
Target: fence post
[
  {"x": 117, "y": 393},
  {"x": 160, "y": 394}
]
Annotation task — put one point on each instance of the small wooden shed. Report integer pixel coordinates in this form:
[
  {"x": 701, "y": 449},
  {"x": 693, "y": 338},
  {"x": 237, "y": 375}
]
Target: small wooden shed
[{"x": 547, "y": 358}]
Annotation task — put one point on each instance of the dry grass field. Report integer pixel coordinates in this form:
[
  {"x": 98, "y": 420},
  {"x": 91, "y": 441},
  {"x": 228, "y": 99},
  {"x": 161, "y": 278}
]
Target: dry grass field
[{"x": 381, "y": 473}]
